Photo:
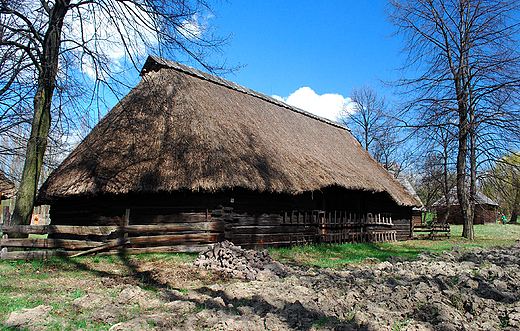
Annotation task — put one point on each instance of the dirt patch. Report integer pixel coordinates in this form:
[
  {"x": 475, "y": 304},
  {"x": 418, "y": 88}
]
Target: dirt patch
[{"x": 461, "y": 289}]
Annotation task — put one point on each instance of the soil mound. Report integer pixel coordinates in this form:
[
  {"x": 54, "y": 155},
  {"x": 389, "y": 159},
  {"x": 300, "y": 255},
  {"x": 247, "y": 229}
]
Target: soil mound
[{"x": 241, "y": 263}]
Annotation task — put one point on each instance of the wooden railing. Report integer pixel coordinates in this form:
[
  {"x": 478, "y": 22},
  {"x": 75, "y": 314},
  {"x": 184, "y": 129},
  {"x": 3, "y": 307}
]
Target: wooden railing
[
  {"x": 335, "y": 218},
  {"x": 338, "y": 227},
  {"x": 192, "y": 232},
  {"x": 431, "y": 231},
  {"x": 67, "y": 240}
]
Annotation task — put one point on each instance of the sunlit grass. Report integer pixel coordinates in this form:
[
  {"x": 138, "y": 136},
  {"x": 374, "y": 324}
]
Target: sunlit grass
[
  {"x": 27, "y": 284},
  {"x": 336, "y": 256}
]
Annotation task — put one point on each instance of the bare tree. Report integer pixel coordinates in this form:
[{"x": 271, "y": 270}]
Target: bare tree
[
  {"x": 463, "y": 61},
  {"x": 64, "y": 54},
  {"x": 364, "y": 114},
  {"x": 388, "y": 146}
]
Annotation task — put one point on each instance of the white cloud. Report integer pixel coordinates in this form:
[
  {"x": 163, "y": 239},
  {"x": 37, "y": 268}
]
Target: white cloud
[
  {"x": 192, "y": 29},
  {"x": 98, "y": 31},
  {"x": 328, "y": 105}
]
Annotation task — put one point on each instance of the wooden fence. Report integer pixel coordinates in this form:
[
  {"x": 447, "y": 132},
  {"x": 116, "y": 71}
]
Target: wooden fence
[{"x": 195, "y": 232}]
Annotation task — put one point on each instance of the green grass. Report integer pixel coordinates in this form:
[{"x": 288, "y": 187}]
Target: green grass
[
  {"x": 429, "y": 217},
  {"x": 336, "y": 256},
  {"x": 58, "y": 281}
]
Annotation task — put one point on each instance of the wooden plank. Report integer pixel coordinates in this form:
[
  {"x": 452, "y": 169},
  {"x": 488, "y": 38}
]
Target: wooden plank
[
  {"x": 170, "y": 218},
  {"x": 81, "y": 244},
  {"x": 158, "y": 240},
  {"x": 259, "y": 229},
  {"x": 69, "y": 229},
  {"x": 259, "y": 219},
  {"x": 19, "y": 255},
  {"x": 49, "y": 243},
  {"x": 216, "y": 226},
  {"x": 159, "y": 249},
  {"x": 265, "y": 238},
  {"x": 26, "y": 255},
  {"x": 111, "y": 244}
]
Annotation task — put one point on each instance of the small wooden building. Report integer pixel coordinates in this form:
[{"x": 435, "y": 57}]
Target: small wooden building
[
  {"x": 485, "y": 209},
  {"x": 7, "y": 191},
  {"x": 188, "y": 147}
]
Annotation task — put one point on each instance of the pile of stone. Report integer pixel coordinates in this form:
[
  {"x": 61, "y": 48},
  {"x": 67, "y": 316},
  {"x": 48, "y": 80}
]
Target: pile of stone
[{"x": 241, "y": 263}]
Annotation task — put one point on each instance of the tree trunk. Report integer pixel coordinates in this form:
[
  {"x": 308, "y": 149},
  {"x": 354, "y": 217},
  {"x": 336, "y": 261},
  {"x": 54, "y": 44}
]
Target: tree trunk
[
  {"x": 462, "y": 192},
  {"x": 36, "y": 147},
  {"x": 514, "y": 212},
  {"x": 37, "y": 143}
]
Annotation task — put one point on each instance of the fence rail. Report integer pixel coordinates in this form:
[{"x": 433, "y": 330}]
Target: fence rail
[
  {"x": 431, "y": 231},
  {"x": 193, "y": 234}
]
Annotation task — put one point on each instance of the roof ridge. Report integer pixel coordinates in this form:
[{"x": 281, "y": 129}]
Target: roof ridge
[{"x": 154, "y": 61}]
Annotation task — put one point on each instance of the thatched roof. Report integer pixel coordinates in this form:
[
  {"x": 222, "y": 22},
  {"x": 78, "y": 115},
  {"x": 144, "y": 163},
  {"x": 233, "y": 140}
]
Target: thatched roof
[
  {"x": 453, "y": 200},
  {"x": 183, "y": 129},
  {"x": 395, "y": 170},
  {"x": 7, "y": 187}
]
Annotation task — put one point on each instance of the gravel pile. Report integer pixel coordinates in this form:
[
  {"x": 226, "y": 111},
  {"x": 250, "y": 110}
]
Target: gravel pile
[{"x": 241, "y": 263}]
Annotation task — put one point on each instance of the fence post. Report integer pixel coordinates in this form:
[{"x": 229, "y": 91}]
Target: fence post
[
  {"x": 2, "y": 250},
  {"x": 125, "y": 224}
]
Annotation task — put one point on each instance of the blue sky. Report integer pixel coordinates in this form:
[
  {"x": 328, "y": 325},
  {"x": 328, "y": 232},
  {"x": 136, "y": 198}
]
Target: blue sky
[{"x": 327, "y": 47}]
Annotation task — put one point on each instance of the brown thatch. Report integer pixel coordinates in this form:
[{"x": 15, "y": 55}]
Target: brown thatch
[
  {"x": 7, "y": 187},
  {"x": 182, "y": 129}
]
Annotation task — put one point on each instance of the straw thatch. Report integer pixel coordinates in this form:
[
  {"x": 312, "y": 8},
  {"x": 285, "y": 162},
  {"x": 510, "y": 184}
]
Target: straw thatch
[
  {"x": 7, "y": 187},
  {"x": 395, "y": 170},
  {"x": 181, "y": 129}
]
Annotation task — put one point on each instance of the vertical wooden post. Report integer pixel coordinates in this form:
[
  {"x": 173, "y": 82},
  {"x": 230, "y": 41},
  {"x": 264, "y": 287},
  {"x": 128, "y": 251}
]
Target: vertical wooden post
[{"x": 126, "y": 222}]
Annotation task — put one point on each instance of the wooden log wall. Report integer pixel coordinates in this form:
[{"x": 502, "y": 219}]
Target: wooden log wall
[
  {"x": 340, "y": 227},
  {"x": 167, "y": 230},
  {"x": 301, "y": 227},
  {"x": 189, "y": 233}
]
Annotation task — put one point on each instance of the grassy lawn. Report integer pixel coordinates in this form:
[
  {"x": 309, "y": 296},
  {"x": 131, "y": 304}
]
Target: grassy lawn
[
  {"x": 59, "y": 281},
  {"x": 338, "y": 255}
]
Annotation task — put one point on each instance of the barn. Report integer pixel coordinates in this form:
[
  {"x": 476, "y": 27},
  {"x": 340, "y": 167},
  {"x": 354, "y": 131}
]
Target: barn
[
  {"x": 7, "y": 192},
  {"x": 186, "y": 147},
  {"x": 485, "y": 209}
]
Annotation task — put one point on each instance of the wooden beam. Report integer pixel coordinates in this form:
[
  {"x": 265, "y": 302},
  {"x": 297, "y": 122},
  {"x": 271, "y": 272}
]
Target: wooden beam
[
  {"x": 214, "y": 226},
  {"x": 26, "y": 255},
  {"x": 159, "y": 249},
  {"x": 110, "y": 244},
  {"x": 49, "y": 243}
]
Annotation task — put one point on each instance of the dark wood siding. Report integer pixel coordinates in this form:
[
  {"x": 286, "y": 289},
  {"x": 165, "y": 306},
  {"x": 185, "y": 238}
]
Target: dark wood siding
[{"x": 249, "y": 218}]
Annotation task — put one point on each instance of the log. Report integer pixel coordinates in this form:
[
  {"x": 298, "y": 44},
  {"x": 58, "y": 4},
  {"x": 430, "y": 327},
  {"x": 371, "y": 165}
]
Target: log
[
  {"x": 282, "y": 229},
  {"x": 171, "y": 218},
  {"x": 159, "y": 249},
  {"x": 49, "y": 243},
  {"x": 216, "y": 226},
  {"x": 242, "y": 239},
  {"x": 158, "y": 240},
  {"x": 26, "y": 255},
  {"x": 114, "y": 243},
  {"x": 70, "y": 244},
  {"x": 65, "y": 229}
]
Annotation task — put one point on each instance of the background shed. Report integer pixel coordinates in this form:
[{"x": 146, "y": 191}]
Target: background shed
[
  {"x": 7, "y": 192},
  {"x": 485, "y": 209}
]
